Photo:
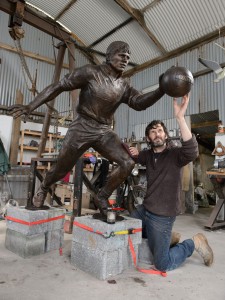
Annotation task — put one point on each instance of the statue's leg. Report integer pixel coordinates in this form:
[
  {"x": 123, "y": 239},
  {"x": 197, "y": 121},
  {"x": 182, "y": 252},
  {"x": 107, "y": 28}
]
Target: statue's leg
[
  {"x": 110, "y": 147},
  {"x": 65, "y": 163},
  {"x": 74, "y": 145}
]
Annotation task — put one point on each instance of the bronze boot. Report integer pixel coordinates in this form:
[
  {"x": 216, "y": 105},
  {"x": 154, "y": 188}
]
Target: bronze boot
[
  {"x": 40, "y": 195},
  {"x": 101, "y": 201},
  {"x": 203, "y": 248}
]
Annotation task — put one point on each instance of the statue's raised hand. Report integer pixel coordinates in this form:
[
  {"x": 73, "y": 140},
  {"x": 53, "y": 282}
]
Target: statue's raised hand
[{"x": 18, "y": 110}]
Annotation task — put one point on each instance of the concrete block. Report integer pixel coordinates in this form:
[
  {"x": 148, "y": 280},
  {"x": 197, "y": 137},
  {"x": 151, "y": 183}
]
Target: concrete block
[
  {"x": 95, "y": 241},
  {"x": 24, "y": 245},
  {"x": 54, "y": 240},
  {"x": 144, "y": 253},
  {"x": 28, "y": 216},
  {"x": 100, "y": 264},
  {"x": 57, "y": 224},
  {"x": 103, "y": 257}
]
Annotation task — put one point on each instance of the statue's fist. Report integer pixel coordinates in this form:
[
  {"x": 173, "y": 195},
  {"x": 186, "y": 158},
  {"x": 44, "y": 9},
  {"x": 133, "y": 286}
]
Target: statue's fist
[{"x": 18, "y": 110}]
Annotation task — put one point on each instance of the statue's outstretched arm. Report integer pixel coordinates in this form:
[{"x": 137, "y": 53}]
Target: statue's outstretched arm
[
  {"x": 49, "y": 93},
  {"x": 139, "y": 101},
  {"x": 69, "y": 82}
]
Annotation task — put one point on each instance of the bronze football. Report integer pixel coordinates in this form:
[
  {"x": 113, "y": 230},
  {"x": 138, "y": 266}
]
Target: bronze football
[{"x": 177, "y": 81}]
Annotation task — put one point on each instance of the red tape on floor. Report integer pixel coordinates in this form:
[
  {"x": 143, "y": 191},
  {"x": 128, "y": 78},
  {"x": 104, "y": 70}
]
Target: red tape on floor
[{"x": 146, "y": 271}]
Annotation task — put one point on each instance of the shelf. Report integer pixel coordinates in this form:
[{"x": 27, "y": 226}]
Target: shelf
[
  {"x": 88, "y": 169},
  {"x": 42, "y": 167},
  {"x": 37, "y": 134},
  {"x": 25, "y": 147},
  {"x": 219, "y": 172}
]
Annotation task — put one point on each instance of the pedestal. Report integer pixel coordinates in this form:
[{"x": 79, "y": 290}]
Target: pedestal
[
  {"x": 34, "y": 232},
  {"x": 103, "y": 257}
]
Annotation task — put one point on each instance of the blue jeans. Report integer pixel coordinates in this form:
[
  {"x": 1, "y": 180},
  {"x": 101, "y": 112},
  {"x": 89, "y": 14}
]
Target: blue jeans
[{"x": 158, "y": 230}]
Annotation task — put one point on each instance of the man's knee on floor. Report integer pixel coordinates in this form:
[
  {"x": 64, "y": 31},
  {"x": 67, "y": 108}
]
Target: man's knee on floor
[{"x": 161, "y": 265}]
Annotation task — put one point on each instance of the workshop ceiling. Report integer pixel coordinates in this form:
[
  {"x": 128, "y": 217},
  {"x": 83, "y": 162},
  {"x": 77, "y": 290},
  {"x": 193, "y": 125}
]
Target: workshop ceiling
[{"x": 155, "y": 29}]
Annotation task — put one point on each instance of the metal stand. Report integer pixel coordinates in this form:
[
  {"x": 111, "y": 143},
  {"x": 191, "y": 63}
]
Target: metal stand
[
  {"x": 213, "y": 223},
  {"x": 78, "y": 187},
  {"x": 34, "y": 172},
  {"x": 79, "y": 179}
]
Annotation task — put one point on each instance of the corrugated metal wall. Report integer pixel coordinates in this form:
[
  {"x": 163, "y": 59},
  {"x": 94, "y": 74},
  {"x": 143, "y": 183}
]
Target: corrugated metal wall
[{"x": 205, "y": 95}]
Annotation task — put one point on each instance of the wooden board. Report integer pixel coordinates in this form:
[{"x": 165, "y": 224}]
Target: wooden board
[{"x": 219, "y": 172}]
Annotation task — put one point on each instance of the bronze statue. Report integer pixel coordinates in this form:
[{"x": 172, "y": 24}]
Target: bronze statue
[{"x": 102, "y": 91}]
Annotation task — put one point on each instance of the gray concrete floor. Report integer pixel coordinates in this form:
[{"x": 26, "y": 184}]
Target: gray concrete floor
[{"x": 51, "y": 276}]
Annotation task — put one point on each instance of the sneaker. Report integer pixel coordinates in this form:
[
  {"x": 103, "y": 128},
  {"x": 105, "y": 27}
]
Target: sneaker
[
  {"x": 39, "y": 197},
  {"x": 203, "y": 248},
  {"x": 175, "y": 238}
]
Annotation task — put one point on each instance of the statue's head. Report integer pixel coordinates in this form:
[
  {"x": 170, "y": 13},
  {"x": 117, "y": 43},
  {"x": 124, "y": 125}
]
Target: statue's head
[{"x": 118, "y": 52}]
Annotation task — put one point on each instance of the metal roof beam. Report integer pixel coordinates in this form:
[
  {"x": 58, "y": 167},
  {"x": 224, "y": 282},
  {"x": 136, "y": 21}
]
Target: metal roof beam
[
  {"x": 44, "y": 24},
  {"x": 31, "y": 55},
  {"x": 139, "y": 17},
  {"x": 62, "y": 12},
  {"x": 147, "y": 7},
  {"x": 111, "y": 32},
  {"x": 190, "y": 46}
]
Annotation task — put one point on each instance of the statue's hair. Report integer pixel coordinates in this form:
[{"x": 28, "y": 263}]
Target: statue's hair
[{"x": 115, "y": 47}]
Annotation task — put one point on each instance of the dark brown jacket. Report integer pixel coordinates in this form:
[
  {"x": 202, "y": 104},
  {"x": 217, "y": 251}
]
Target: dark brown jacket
[{"x": 164, "y": 177}]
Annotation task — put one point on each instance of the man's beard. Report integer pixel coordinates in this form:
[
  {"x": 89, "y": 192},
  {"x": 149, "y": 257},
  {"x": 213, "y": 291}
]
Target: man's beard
[{"x": 158, "y": 143}]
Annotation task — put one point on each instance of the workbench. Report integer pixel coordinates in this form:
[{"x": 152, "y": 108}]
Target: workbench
[{"x": 217, "y": 177}]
